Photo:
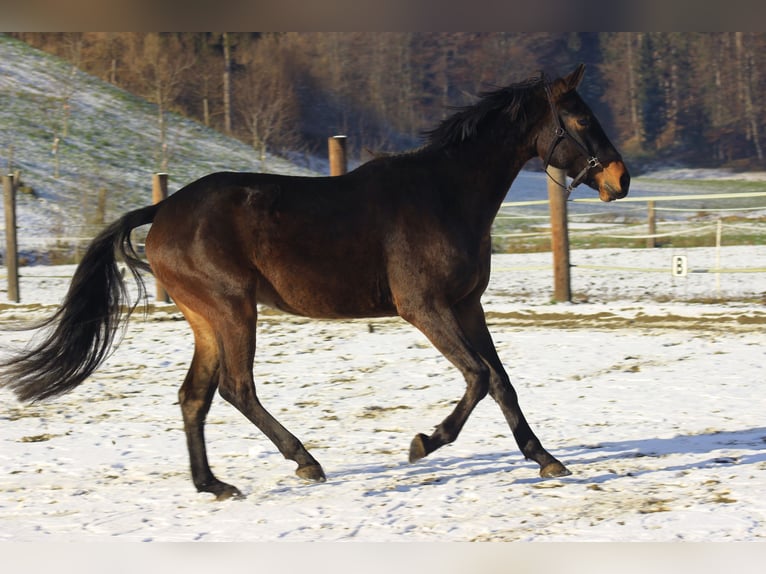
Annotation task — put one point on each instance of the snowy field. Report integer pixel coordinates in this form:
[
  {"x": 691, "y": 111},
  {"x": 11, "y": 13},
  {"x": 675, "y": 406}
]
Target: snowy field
[{"x": 647, "y": 387}]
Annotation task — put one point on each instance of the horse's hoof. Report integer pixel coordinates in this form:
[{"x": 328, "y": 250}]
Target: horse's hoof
[
  {"x": 418, "y": 447},
  {"x": 223, "y": 491},
  {"x": 554, "y": 470},
  {"x": 312, "y": 472},
  {"x": 228, "y": 493}
]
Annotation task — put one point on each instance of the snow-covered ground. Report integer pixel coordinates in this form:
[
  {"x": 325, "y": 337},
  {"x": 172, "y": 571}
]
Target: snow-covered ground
[{"x": 647, "y": 387}]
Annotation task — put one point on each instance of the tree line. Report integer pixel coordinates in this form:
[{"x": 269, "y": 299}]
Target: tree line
[{"x": 683, "y": 98}]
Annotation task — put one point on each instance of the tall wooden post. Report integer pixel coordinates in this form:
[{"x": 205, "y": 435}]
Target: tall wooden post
[
  {"x": 336, "y": 149},
  {"x": 652, "y": 220},
  {"x": 11, "y": 247},
  {"x": 557, "y": 201},
  {"x": 160, "y": 192}
]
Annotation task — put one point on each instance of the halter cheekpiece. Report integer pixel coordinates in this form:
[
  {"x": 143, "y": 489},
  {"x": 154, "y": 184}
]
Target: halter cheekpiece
[{"x": 560, "y": 132}]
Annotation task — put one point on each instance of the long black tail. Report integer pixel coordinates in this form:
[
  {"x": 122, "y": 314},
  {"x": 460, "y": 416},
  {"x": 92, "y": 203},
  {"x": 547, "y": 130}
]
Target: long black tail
[{"x": 83, "y": 329}]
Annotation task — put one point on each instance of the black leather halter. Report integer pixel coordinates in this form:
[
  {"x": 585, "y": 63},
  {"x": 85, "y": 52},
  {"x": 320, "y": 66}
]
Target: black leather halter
[{"x": 560, "y": 132}]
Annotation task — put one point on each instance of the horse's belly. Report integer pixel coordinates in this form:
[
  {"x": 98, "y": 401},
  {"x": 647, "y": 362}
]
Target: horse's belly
[{"x": 329, "y": 296}]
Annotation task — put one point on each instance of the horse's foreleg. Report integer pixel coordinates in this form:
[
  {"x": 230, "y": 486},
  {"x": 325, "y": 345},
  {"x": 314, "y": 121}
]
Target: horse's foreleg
[
  {"x": 471, "y": 317},
  {"x": 504, "y": 394},
  {"x": 442, "y": 329},
  {"x": 238, "y": 388}
]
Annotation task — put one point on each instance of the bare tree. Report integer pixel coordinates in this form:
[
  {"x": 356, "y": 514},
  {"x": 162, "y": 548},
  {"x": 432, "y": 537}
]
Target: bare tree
[
  {"x": 265, "y": 99},
  {"x": 227, "y": 65},
  {"x": 159, "y": 62},
  {"x": 745, "y": 73}
]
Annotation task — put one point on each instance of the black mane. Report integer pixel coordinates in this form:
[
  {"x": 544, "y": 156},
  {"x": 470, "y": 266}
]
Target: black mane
[{"x": 465, "y": 122}]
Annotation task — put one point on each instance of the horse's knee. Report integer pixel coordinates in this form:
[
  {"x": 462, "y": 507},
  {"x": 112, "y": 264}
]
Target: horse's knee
[
  {"x": 479, "y": 384},
  {"x": 237, "y": 393},
  {"x": 501, "y": 389}
]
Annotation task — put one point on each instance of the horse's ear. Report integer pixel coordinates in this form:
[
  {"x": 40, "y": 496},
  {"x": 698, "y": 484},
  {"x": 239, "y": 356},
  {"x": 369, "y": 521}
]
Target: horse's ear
[
  {"x": 561, "y": 86},
  {"x": 573, "y": 80}
]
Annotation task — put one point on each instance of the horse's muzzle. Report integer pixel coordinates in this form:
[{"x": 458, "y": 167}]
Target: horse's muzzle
[{"x": 613, "y": 181}]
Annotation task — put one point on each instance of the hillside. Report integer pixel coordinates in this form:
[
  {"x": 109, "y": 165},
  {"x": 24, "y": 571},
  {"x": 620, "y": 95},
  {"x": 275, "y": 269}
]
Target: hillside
[
  {"x": 110, "y": 144},
  {"x": 665, "y": 98}
]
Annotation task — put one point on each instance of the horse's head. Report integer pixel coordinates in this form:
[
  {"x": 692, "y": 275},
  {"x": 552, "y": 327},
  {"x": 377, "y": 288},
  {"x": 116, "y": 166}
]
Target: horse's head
[{"x": 572, "y": 139}]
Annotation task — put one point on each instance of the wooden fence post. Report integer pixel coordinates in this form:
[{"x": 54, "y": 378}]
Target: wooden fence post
[
  {"x": 160, "y": 192},
  {"x": 336, "y": 148},
  {"x": 557, "y": 201},
  {"x": 652, "y": 220},
  {"x": 11, "y": 247}
]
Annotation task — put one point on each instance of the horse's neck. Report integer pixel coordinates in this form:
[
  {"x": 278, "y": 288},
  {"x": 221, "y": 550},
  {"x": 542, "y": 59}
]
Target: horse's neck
[{"x": 485, "y": 174}]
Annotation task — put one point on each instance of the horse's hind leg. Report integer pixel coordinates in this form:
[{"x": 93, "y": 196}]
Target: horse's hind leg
[
  {"x": 195, "y": 397},
  {"x": 238, "y": 388}
]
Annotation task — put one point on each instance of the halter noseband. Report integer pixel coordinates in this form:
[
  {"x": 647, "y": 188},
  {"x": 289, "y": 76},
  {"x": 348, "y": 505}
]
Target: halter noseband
[{"x": 560, "y": 132}]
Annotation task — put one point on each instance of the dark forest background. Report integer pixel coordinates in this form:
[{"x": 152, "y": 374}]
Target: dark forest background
[{"x": 692, "y": 99}]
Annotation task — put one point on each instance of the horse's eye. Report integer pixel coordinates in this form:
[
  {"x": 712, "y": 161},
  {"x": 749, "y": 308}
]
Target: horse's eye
[{"x": 583, "y": 122}]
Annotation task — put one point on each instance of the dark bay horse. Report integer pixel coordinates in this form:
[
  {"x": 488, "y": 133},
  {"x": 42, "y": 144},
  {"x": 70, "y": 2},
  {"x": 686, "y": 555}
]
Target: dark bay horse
[{"x": 405, "y": 234}]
